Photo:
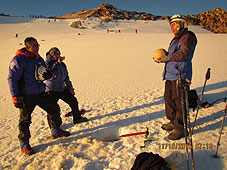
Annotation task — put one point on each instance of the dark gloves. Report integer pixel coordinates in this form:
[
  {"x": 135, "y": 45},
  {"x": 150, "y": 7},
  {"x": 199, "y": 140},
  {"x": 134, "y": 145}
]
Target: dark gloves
[
  {"x": 47, "y": 75},
  {"x": 71, "y": 90},
  {"x": 18, "y": 102}
]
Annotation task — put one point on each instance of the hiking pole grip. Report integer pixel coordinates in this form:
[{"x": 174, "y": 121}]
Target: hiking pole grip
[{"x": 208, "y": 74}]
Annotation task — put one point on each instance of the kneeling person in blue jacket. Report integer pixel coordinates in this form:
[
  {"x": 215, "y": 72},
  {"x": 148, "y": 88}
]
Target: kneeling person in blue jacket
[{"x": 26, "y": 85}]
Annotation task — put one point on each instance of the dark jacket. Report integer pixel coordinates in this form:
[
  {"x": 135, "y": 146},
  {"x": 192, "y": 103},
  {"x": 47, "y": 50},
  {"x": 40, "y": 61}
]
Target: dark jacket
[
  {"x": 180, "y": 54},
  {"x": 61, "y": 77},
  {"x": 21, "y": 77}
]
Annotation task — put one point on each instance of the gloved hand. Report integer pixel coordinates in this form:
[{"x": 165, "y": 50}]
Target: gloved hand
[
  {"x": 160, "y": 55},
  {"x": 71, "y": 90},
  {"x": 48, "y": 75},
  {"x": 18, "y": 102},
  {"x": 60, "y": 59}
]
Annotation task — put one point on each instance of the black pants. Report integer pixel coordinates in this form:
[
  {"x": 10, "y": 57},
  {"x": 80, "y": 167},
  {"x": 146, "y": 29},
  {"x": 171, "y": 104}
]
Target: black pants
[
  {"x": 46, "y": 103},
  {"x": 173, "y": 105},
  {"x": 68, "y": 98}
]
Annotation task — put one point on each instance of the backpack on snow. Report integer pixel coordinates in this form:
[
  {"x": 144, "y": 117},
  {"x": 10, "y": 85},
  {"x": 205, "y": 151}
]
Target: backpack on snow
[
  {"x": 149, "y": 161},
  {"x": 192, "y": 99}
]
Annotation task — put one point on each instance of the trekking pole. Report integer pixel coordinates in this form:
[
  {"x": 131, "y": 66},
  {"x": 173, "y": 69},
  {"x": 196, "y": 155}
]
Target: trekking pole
[
  {"x": 216, "y": 156},
  {"x": 201, "y": 97},
  {"x": 189, "y": 125},
  {"x": 184, "y": 118}
]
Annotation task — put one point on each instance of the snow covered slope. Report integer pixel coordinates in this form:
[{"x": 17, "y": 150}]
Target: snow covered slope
[{"x": 121, "y": 88}]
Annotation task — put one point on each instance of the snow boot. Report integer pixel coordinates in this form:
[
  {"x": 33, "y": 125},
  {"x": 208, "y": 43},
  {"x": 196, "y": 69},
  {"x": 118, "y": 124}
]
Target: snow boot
[
  {"x": 169, "y": 126},
  {"x": 80, "y": 120},
  {"x": 68, "y": 114},
  {"x": 26, "y": 148},
  {"x": 58, "y": 133},
  {"x": 82, "y": 112},
  {"x": 176, "y": 135}
]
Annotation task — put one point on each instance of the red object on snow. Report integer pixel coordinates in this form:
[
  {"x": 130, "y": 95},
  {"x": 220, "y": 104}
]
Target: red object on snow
[
  {"x": 133, "y": 134},
  {"x": 138, "y": 133}
]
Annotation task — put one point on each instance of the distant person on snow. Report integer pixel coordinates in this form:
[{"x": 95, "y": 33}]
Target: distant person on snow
[
  {"x": 60, "y": 86},
  {"x": 27, "y": 72},
  {"x": 177, "y": 59}
]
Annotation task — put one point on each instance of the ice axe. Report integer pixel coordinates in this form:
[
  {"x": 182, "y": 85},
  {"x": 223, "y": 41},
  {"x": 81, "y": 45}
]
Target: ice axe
[
  {"x": 138, "y": 133},
  {"x": 146, "y": 140},
  {"x": 112, "y": 134}
]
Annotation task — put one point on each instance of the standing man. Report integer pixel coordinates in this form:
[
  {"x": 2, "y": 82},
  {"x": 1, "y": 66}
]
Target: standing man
[
  {"x": 177, "y": 60},
  {"x": 26, "y": 74}
]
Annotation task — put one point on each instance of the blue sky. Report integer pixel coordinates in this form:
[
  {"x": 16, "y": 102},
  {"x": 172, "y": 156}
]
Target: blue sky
[{"x": 155, "y": 7}]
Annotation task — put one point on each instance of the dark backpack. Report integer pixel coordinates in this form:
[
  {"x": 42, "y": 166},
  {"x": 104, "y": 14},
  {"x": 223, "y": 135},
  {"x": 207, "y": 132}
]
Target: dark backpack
[
  {"x": 149, "y": 161},
  {"x": 192, "y": 99}
]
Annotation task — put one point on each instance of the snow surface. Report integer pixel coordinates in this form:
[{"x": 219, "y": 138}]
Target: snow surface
[{"x": 121, "y": 88}]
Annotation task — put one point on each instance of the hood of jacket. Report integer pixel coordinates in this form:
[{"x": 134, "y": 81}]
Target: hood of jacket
[{"x": 24, "y": 51}]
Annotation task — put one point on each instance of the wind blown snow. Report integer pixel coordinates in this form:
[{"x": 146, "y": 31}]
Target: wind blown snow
[{"x": 121, "y": 88}]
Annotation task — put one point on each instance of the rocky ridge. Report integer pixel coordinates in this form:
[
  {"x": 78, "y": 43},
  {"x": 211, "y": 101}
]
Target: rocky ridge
[
  {"x": 108, "y": 12},
  {"x": 213, "y": 20}
]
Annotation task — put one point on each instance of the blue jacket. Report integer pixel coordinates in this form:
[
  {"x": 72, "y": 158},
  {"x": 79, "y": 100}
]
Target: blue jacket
[
  {"x": 180, "y": 54},
  {"x": 21, "y": 77},
  {"x": 61, "y": 78}
]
